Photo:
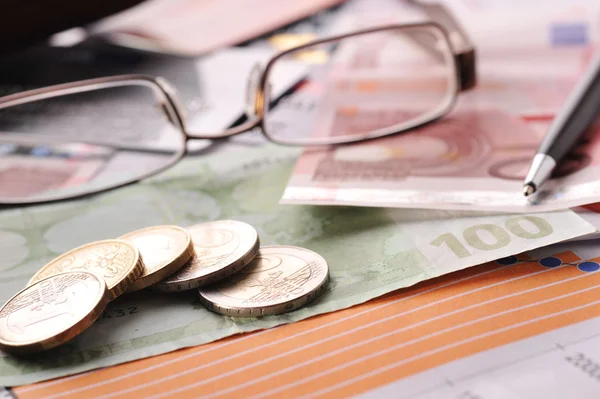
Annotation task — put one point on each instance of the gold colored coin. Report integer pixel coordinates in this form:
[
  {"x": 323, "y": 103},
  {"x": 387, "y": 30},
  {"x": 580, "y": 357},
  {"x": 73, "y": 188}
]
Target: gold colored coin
[
  {"x": 164, "y": 250},
  {"x": 280, "y": 279},
  {"x": 117, "y": 261},
  {"x": 222, "y": 248},
  {"x": 52, "y": 311}
]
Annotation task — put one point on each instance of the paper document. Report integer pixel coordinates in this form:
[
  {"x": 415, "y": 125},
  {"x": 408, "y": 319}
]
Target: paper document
[{"x": 195, "y": 27}]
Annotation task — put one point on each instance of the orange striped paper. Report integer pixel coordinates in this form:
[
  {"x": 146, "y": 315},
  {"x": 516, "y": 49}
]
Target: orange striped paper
[{"x": 361, "y": 348}]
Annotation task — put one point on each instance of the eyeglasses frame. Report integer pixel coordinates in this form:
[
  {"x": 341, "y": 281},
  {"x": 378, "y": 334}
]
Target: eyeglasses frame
[{"x": 464, "y": 65}]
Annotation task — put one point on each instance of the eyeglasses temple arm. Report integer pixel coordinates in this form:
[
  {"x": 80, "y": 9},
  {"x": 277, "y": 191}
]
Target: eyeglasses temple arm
[{"x": 462, "y": 46}]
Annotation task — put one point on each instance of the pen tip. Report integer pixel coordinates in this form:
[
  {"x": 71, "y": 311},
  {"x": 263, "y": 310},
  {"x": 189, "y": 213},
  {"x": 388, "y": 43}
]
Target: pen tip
[{"x": 528, "y": 189}]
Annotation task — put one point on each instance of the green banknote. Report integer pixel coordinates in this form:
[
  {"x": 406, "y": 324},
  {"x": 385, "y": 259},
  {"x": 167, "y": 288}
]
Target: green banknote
[{"x": 370, "y": 251}]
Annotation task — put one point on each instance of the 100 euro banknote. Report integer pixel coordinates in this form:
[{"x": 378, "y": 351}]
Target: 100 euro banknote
[
  {"x": 470, "y": 159},
  {"x": 370, "y": 252}
]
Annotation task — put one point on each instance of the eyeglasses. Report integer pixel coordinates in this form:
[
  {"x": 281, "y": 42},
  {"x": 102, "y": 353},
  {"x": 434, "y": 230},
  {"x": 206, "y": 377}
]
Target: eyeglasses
[{"x": 83, "y": 137}]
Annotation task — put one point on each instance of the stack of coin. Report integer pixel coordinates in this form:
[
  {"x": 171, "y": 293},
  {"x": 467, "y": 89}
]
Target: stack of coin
[
  {"x": 221, "y": 260},
  {"x": 67, "y": 295}
]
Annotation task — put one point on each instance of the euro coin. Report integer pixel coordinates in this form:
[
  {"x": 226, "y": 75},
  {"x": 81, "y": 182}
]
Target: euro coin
[
  {"x": 221, "y": 248},
  {"x": 280, "y": 279},
  {"x": 52, "y": 311},
  {"x": 164, "y": 250},
  {"x": 117, "y": 261}
]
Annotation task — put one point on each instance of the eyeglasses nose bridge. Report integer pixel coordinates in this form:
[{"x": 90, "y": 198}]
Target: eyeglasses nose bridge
[
  {"x": 252, "y": 87},
  {"x": 169, "y": 102}
]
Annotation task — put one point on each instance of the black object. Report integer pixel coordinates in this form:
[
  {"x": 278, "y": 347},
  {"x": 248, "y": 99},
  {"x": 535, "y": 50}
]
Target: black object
[
  {"x": 577, "y": 114},
  {"x": 26, "y": 22}
]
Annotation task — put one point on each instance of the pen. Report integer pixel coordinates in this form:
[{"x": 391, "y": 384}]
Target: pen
[{"x": 577, "y": 113}]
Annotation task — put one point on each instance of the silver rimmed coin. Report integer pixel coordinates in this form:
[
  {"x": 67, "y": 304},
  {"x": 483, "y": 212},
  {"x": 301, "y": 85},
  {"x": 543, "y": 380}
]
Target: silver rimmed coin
[
  {"x": 164, "y": 250},
  {"x": 281, "y": 278},
  {"x": 52, "y": 311},
  {"x": 222, "y": 248}
]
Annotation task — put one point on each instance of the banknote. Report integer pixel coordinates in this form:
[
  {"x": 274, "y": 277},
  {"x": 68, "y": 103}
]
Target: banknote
[
  {"x": 471, "y": 159},
  {"x": 591, "y": 214},
  {"x": 370, "y": 251},
  {"x": 525, "y": 70},
  {"x": 476, "y": 157},
  {"x": 529, "y": 82}
]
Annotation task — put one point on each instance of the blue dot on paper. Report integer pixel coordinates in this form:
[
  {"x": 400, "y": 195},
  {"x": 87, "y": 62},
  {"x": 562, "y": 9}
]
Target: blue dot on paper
[
  {"x": 588, "y": 266},
  {"x": 510, "y": 260},
  {"x": 551, "y": 262}
]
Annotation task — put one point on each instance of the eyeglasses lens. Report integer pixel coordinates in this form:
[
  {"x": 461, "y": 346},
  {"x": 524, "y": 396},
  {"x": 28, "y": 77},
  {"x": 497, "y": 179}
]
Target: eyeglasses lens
[
  {"x": 80, "y": 143},
  {"x": 364, "y": 86}
]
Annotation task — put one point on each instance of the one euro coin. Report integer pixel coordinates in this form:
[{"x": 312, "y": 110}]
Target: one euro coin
[
  {"x": 52, "y": 311},
  {"x": 116, "y": 261},
  {"x": 278, "y": 280}
]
